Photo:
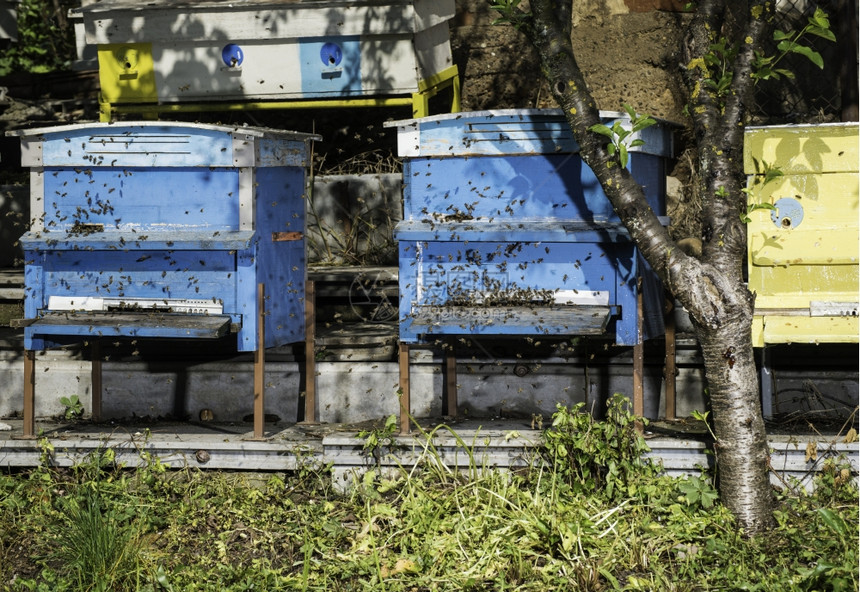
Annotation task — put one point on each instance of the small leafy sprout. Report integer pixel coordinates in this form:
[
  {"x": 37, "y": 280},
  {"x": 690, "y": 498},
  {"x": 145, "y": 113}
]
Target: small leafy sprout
[
  {"x": 375, "y": 440},
  {"x": 619, "y": 135},
  {"x": 766, "y": 174},
  {"x": 703, "y": 417},
  {"x": 509, "y": 12},
  {"x": 698, "y": 490},
  {"x": 73, "y": 405},
  {"x": 718, "y": 59}
]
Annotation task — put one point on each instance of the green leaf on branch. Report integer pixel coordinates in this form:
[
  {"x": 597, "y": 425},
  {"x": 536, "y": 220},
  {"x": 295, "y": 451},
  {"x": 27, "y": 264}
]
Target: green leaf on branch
[
  {"x": 819, "y": 24},
  {"x": 601, "y": 129},
  {"x": 618, "y": 135},
  {"x": 788, "y": 42},
  {"x": 623, "y": 156},
  {"x": 745, "y": 218},
  {"x": 810, "y": 54}
]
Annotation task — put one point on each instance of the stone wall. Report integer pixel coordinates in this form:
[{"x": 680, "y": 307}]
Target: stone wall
[{"x": 627, "y": 51}]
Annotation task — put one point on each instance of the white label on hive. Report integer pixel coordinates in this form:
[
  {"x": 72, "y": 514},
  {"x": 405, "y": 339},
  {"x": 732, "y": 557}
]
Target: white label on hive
[
  {"x": 582, "y": 297},
  {"x": 832, "y": 309},
  {"x": 175, "y": 305}
]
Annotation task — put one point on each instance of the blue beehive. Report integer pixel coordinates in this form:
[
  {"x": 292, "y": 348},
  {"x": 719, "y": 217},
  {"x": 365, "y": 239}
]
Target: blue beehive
[
  {"x": 506, "y": 232},
  {"x": 161, "y": 230}
]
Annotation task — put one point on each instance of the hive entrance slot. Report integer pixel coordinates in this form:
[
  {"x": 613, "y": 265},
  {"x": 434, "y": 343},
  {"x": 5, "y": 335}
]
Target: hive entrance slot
[
  {"x": 135, "y": 307},
  {"x": 86, "y": 228}
]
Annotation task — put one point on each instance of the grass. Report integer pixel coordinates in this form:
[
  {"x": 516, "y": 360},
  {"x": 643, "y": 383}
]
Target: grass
[{"x": 548, "y": 527}]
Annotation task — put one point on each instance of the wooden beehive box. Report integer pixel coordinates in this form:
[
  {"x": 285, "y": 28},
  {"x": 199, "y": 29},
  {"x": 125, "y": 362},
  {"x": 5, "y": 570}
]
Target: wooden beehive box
[
  {"x": 164, "y": 230},
  {"x": 176, "y": 51},
  {"x": 507, "y": 232},
  {"x": 803, "y": 254}
]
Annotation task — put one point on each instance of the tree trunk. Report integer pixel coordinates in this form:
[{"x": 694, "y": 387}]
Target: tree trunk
[
  {"x": 711, "y": 289},
  {"x": 741, "y": 449}
]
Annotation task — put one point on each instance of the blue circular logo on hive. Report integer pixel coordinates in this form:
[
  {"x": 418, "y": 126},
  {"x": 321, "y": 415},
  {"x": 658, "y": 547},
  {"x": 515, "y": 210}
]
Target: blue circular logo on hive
[
  {"x": 331, "y": 54},
  {"x": 232, "y": 55}
]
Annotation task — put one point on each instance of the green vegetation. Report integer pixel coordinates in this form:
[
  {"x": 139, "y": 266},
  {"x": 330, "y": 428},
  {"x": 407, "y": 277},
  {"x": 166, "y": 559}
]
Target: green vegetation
[
  {"x": 619, "y": 141},
  {"x": 46, "y": 41},
  {"x": 73, "y": 407},
  {"x": 589, "y": 513}
]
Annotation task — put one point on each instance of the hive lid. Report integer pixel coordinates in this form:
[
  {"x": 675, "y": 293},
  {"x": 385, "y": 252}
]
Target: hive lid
[
  {"x": 120, "y": 21},
  {"x": 512, "y": 132},
  {"x": 131, "y": 126},
  {"x": 802, "y": 148},
  {"x": 159, "y": 143}
]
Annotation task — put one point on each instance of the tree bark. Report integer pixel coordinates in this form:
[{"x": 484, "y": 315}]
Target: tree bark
[{"x": 711, "y": 288}]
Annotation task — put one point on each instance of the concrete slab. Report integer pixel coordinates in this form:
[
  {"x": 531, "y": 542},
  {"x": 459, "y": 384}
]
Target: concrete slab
[{"x": 470, "y": 445}]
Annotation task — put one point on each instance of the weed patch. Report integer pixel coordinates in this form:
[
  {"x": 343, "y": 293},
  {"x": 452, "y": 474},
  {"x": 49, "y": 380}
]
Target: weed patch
[{"x": 588, "y": 513}]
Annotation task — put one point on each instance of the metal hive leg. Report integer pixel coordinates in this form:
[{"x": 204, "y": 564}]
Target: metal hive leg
[
  {"x": 260, "y": 366},
  {"x": 404, "y": 388},
  {"x": 310, "y": 359},
  {"x": 670, "y": 366}
]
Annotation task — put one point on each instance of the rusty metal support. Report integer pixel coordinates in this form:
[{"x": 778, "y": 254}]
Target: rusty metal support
[
  {"x": 670, "y": 365},
  {"x": 404, "y": 388},
  {"x": 310, "y": 355},
  {"x": 260, "y": 365}
]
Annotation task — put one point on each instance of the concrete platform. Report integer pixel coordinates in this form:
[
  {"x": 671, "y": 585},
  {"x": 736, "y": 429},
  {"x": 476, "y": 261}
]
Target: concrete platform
[{"x": 680, "y": 447}]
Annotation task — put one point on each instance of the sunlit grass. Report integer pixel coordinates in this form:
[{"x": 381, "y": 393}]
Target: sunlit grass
[{"x": 423, "y": 527}]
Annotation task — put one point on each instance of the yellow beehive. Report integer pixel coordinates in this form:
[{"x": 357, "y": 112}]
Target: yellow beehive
[{"x": 803, "y": 254}]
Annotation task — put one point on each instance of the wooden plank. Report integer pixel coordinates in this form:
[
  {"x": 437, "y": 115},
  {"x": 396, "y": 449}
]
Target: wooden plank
[
  {"x": 278, "y": 237},
  {"x": 403, "y": 359},
  {"x": 310, "y": 353},
  {"x": 132, "y": 324},
  {"x": 260, "y": 365},
  {"x": 811, "y": 330},
  {"x": 670, "y": 366},
  {"x": 134, "y": 146},
  {"x": 554, "y": 319}
]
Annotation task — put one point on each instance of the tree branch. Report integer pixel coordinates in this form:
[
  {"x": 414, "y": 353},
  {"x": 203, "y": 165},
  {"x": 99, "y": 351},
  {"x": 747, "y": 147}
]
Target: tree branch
[
  {"x": 680, "y": 273},
  {"x": 704, "y": 108},
  {"x": 742, "y": 83}
]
